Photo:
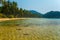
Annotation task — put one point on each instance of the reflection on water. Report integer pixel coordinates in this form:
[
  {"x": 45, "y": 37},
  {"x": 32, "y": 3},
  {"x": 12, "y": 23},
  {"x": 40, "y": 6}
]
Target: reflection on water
[
  {"x": 42, "y": 22},
  {"x": 34, "y": 21}
]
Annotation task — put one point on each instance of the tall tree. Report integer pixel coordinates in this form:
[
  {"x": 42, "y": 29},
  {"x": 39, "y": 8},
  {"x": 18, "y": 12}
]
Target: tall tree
[{"x": 21, "y": 12}]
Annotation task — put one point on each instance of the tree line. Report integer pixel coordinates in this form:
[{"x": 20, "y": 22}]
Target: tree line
[{"x": 10, "y": 10}]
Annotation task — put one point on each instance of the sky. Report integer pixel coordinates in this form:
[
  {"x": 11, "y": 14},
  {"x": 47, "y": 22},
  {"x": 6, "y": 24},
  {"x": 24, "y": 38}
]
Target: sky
[{"x": 41, "y": 6}]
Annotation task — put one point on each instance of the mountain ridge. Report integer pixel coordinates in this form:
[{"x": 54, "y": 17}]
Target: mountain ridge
[{"x": 50, "y": 14}]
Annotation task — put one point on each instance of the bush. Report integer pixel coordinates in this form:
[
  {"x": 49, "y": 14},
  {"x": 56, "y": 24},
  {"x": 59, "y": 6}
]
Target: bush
[
  {"x": 2, "y": 15},
  {"x": 11, "y": 16}
]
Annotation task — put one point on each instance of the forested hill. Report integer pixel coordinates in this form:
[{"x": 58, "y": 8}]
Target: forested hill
[
  {"x": 10, "y": 10},
  {"x": 52, "y": 14},
  {"x": 36, "y": 14}
]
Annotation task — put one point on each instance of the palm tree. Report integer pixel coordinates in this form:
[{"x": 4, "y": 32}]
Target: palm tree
[{"x": 2, "y": 2}]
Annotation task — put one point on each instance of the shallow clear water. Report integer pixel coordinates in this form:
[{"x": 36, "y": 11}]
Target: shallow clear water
[
  {"x": 35, "y": 28},
  {"x": 42, "y": 22},
  {"x": 33, "y": 21}
]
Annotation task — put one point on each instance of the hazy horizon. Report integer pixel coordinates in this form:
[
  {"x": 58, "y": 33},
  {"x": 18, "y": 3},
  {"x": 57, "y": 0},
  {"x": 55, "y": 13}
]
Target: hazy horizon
[{"x": 41, "y": 6}]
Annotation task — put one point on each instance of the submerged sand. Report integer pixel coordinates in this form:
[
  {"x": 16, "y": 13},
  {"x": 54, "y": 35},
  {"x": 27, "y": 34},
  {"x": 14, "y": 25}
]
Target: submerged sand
[{"x": 32, "y": 32}]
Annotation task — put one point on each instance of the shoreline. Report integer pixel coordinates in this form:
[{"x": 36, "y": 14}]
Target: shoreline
[{"x": 5, "y": 19}]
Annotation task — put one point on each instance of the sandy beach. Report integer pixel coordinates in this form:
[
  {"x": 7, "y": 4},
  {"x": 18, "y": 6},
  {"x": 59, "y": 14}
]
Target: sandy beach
[{"x": 5, "y": 19}]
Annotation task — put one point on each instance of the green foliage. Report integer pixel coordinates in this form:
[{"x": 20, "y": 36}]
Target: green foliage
[
  {"x": 11, "y": 16},
  {"x": 10, "y": 10},
  {"x": 2, "y": 16}
]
